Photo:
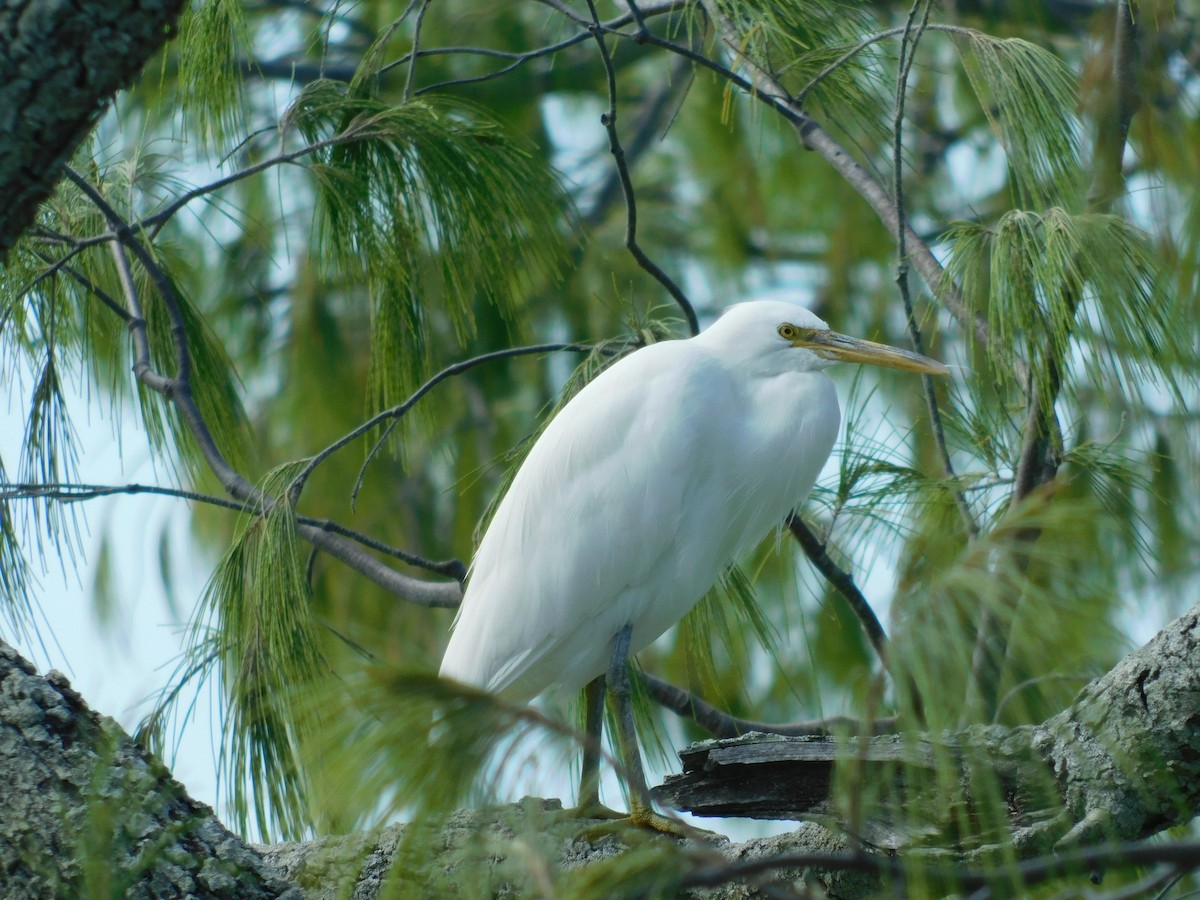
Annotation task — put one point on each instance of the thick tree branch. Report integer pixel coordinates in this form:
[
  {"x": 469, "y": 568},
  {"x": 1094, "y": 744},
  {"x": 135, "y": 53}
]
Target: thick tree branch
[
  {"x": 60, "y": 64},
  {"x": 76, "y": 782},
  {"x": 68, "y": 773},
  {"x": 1122, "y": 762}
]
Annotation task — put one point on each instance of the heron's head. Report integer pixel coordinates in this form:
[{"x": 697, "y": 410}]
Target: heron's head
[{"x": 772, "y": 335}]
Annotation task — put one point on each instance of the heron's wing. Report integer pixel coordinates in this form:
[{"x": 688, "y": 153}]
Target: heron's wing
[{"x": 591, "y": 529}]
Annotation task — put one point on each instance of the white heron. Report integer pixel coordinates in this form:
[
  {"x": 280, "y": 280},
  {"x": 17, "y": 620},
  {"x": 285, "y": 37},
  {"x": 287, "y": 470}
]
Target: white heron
[{"x": 639, "y": 493}]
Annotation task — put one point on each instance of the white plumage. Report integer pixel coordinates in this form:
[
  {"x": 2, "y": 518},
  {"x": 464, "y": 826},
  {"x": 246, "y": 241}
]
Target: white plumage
[{"x": 640, "y": 492}]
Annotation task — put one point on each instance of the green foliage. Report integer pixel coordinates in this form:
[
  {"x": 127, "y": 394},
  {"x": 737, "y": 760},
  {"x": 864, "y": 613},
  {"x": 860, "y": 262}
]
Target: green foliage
[
  {"x": 1035, "y": 571},
  {"x": 1029, "y": 96},
  {"x": 393, "y": 181},
  {"x": 379, "y": 229},
  {"x": 802, "y": 40},
  {"x": 1046, "y": 281},
  {"x": 256, "y": 621},
  {"x": 415, "y": 745},
  {"x": 213, "y": 42},
  {"x": 16, "y": 583}
]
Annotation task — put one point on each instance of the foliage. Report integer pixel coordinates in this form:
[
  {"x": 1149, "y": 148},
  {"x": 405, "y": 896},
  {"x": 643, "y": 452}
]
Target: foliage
[{"x": 313, "y": 208}]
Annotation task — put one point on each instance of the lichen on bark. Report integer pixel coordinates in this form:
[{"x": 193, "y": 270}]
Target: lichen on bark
[{"x": 61, "y": 62}]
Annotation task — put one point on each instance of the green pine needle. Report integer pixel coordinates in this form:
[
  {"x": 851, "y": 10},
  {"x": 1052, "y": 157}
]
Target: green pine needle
[
  {"x": 1029, "y": 95},
  {"x": 407, "y": 199}
]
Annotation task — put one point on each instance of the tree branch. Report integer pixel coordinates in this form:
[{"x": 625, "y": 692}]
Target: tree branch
[
  {"x": 843, "y": 583},
  {"x": 65, "y": 492},
  {"x": 177, "y": 390},
  {"x": 609, "y": 120},
  {"x": 75, "y": 782},
  {"x": 60, "y": 63},
  {"x": 720, "y": 724},
  {"x": 1123, "y": 761},
  {"x": 395, "y": 413},
  {"x": 65, "y": 765}
]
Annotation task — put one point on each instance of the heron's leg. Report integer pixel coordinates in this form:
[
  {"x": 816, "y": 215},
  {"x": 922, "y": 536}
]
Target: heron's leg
[
  {"x": 621, "y": 694},
  {"x": 593, "y": 729},
  {"x": 590, "y": 806}
]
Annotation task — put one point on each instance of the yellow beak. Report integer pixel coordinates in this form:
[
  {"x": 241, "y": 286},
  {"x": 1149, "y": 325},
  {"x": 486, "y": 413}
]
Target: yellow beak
[{"x": 831, "y": 345}]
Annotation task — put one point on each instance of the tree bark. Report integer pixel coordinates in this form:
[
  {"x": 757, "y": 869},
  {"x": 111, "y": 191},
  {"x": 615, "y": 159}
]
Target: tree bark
[
  {"x": 85, "y": 810},
  {"x": 1121, "y": 763},
  {"x": 61, "y": 61}
]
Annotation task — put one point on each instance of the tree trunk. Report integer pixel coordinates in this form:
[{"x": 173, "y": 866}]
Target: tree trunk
[
  {"x": 61, "y": 61},
  {"x": 1121, "y": 763},
  {"x": 86, "y": 809}
]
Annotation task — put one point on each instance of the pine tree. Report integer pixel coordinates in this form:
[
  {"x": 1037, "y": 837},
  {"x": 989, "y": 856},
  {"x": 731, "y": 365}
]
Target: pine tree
[{"x": 335, "y": 264}]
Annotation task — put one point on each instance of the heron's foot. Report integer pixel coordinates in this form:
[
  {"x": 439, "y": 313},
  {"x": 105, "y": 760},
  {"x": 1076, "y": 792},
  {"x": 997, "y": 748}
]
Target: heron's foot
[
  {"x": 594, "y": 809},
  {"x": 644, "y": 819}
]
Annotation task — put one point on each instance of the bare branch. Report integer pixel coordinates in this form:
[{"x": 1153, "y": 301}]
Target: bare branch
[
  {"x": 720, "y": 724},
  {"x": 411, "y": 80},
  {"x": 396, "y": 413},
  {"x": 72, "y": 492},
  {"x": 521, "y": 58},
  {"x": 609, "y": 120},
  {"x": 648, "y": 124},
  {"x": 177, "y": 390}
]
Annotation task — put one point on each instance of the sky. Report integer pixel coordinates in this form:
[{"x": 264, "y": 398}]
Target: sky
[{"x": 118, "y": 666}]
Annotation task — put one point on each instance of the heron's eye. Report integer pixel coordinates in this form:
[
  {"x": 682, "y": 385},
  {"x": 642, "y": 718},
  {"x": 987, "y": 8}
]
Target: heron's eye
[{"x": 788, "y": 331}]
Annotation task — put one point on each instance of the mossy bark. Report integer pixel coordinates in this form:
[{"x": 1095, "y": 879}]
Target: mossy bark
[{"x": 61, "y": 62}]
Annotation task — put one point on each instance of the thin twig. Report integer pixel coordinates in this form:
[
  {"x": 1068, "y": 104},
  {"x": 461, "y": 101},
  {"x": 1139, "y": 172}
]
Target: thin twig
[
  {"x": 452, "y": 568},
  {"x": 521, "y": 58},
  {"x": 74, "y": 492},
  {"x": 410, "y": 80},
  {"x": 560, "y": 7},
  {"x": 71, "y": 492},
  {"x": 868, "y": 41},
  {"x": 647, "y": 125},
  {"x": 87, "y": 284},
  {"x": 397, "y": 412},
  {"x": 609, "y": 120},
  {"x": 156, "y": 222},
  {"x": 908, "y": 48}
]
